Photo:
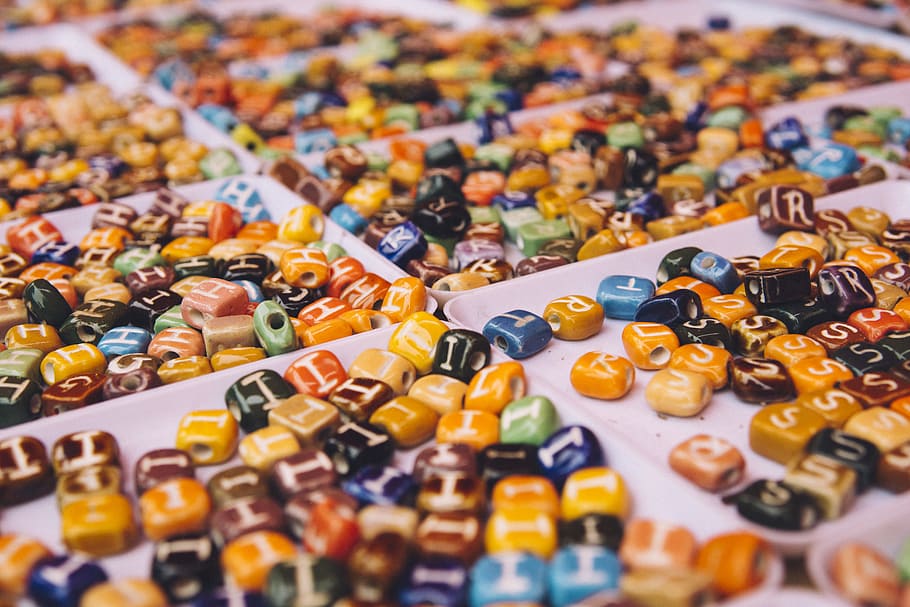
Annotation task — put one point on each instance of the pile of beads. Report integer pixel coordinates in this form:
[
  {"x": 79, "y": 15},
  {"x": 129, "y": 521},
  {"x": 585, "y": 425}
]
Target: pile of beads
[
  {"x": 866, "y": 576},
  {"x": 508, "y": 506},
  {"x": 181, "y": 290},
  {"x": 816, "y": 330},
  {"x": 547, "y": 188},
  {"x": 43, "y": 73},
  {"x": 86, "y": 145},
  {"x": 876, "y": 132},
  {"x": 43, "y": 12},
  {"x": 522, "y": 8}
]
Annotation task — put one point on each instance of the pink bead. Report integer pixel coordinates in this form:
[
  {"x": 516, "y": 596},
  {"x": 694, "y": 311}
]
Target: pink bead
[
  {"x": 177, "y": 342},
  {"x": 213, "y": 298}
]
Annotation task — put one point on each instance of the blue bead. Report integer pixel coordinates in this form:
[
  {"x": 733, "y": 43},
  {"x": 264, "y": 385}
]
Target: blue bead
[
  {"x": 731, "y": 170},
  {"x": 670, "y": 308},
  {"x": 518, "y": 333},
  {"x": 787, "y": 134},
  {"x": 171, "y": 71},
  {"x": 492, "y": 126},
  {"x": 621, "y": 294},
  {"x": 56, "y": 252},
  {"x": 830, "y": 161},
  {"x": 569, "y": 449},
  {"x": 649, "y": 205},
  {"x": 244, "y": 197},
  {"x": 695, "y": 119},
  {"x": 247, "y": 70},
  {"x": 307, "y": 104},
  {"x": 232, "y": 598},
  {"x": 124, "y": 340},
  {"x": 441, "y": 581},
  {"x": 314, "y": 140},
  {"x": 508, "y": 577},
  {"x": 718, "y": 22},
  {"x": 512, "y": 99},
  {"x": 565, "y": 75},
  {"x": 60, "y": 581},
  {"x": 899, "y": 130},
  {"x": 220, "y": 116},
  {"x": 114, "y": 165},
  {"x": 508, "y": 201},
  {"x": 403, "y": 243},
  {"x": 253, "y": 292},
  {"x": 577, "y": 572},
  {"x": 384, "y": 485},
  {"x": 344, "y": 215},
  {"x": 715, "y": 270}
]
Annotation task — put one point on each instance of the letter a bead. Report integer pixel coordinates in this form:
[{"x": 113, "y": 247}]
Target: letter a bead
[
  {"x": 518, "y": 333},
  {"x": 603, "y": 376},
  {"x": 679, "y": 393}
]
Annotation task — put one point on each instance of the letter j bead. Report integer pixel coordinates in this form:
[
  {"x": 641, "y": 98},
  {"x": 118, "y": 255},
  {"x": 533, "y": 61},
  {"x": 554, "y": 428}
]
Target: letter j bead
[{"x": 518, "y": 333}]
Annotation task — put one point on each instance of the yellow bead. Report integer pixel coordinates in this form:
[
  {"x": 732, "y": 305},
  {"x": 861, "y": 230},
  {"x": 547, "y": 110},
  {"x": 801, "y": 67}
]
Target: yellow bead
[
  {"x": 361, "y": 321},
  {"x": 602, "y": 243},
  {"x": 597, "y": 490},
  {"x": 114, "y": 291},
  {"x": 528, "y": 178},
  {"x": 387, "y": 367},
  {"x": 303, "y": 224},
  {"x": 790, "y": 256},
  {"x": 180, "y": 369},
  {"x": 461, "y": 281},
  {"x": 728, "y": 308},
  {"x": 367, "y": 196},
  {"x": 415, "y": 340},
  {"x": 42, "y": 337},
  {"x": 186, "y": 246},
  {"x": 834, "y": 405},
  {"x": 200, "y": 208},
  {"x": 804, "y": 239},
  {"x": 553, "y": 140},
  {"x": 672, "y": 225},
  {"x": 885, "y": 428},
  {"x": 77, "y": 359},
  {"x": 441, "y": 393},
  {"x": 780, "y": 431},
  {"x": 710, "y": 361},
  {"x": 231, "y": 357},
  {"x": 174, "y": 507},
  {"x": 209, "y": 436},
  {"x": 262, "y": 448},
  {"x": 408, "y": 420},
  {"x": 100, "y": 525},
  {"x": 574, "y": 317},
  {"x": 183, "y": 286},
  {"x": 725, "y": 213},
  {"x": 678, "y": 392},
  {"x": 553, "y": 201},
  {"x": 521, "y": 529},
  {"x": 233, "y": 247},
  {"x": 791, "y": 348},
  {"x": 124, "y": 593}
]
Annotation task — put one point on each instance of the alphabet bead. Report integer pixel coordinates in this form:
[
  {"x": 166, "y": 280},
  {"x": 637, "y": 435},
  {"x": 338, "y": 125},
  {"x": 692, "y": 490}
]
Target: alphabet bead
[
  {"x": 60, "y": 580},
  {"x": 392, "y": 369},
  {"x": 521, "y": 529},
  {"x": 864, "y": 575},
  {"x": 678, "y": 392},
  {"x": 650, "y": 544},
  {"x": 495, "y": 386},
  {"x": 885, "y": 428},
  {"x": 316, "y": 373},
  {"x": 246, "y": 561},
  {"x": 831, "y": 483},
  {"x": 161, "y": 465},
  {"x": 710, "y": 462},
  {"x": 416, "y": 338},
  {"x": 99, "y": 525},
  {"x": 209, "y": 436},
  {"x": 407, "y": 420},
  {"x": 760, "y": 380},
  {"x": 735, "y": 561},
  {"x": 174, "y": 507},
  {"x": 136, "y": 592},
  {"x": 603, "y": 376},
  {"x": 772, "y": 504},
  {"x": 212, "y": 298},
  {"x": 262, "y": 448},
  {"x": 518, "y": 333},
  {"x": 356, "y": 444},
  {"x": 494, "y": 577},
  {"x": 781, "y": 431}
]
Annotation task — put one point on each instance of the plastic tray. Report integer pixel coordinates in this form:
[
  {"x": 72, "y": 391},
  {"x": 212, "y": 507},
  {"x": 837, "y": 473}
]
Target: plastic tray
[
  {"x": 884, "y": 17},
  {"x": 787, "y": 597},
  {"x": 110, "y": 71},
  {"x": 885, "y": 533},
  {"x": 162, "y": 409},
  {"x": 726, "y": 415}
]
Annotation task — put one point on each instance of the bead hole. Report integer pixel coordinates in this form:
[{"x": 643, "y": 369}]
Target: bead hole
[
  {"x": 85, "y": 333},
  {"x": 500, "y": 342},
  {"x": 442, "y": 285},
  {"x": 185, "y": 587},
  {"x": 707, "y": 263},
  {"x": 308, "y": 278},
  {"x": 554, "y": 321},
  {"x": 169, "y": 355},
  {"x": 692, "y": 310},
  {"x": 517, "y": 386},
  {"x": 659, "y": 356},
  {"x": 477, "y": 361},
  {"x": 341, "y": 464},
  {"x": 34, "y": 404},
  {"x": 49, "y": 374},
  {"x": 276, "y": 321},
  {"x": 195, "y": 317},
  {"x": 730, "y": 477},
  {"x": 379, "y": 321},
  {"x": 407, "y": 378},
  {"x": 753, "y": 287},
  {"x": 826, "y": 286},
  {"x": 200, "y": 452}
]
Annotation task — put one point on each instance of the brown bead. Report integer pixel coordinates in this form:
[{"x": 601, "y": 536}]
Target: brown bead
[
  {"x": 760, "y": 380},
  {"x": 25, "y": 471},
  {"x": 893, "y": 472},
  {"x": 451, "y": 492},
  {"x": 831, "y": 220},
  {"x": 834, "y": 335},
  {"x": 876, "y": 388},
  {"x": 82, "y": 449},
  {"x": 449, "y": 534},
  {"x": 375, "y": 566},
  {"x": 88, "y": 482},
  {"x": 300, "y": 507},
  {"x": 539, "y": 263},
  {"x": 73, "y": 393},
  {"x": 346, "y": 162},
  {"x": 784, "y": 207},
  {"x": 156, "y": 277},
  {"x": 245, "y": 516},
  {"x": 495, "y": 270},
  {"x": 428, "y": 273},
  {"x": 751, "y": 334},
  {"x": 444, "y": 457},
  {"x": 358, "y": 397},
  {"x": 161, "y": 465},
  {"x": 240, "y": 482},
  {"x": 307, "y": 470},
  {"x": 287, "y": 171},
  {"x": 485, "y": 231}
]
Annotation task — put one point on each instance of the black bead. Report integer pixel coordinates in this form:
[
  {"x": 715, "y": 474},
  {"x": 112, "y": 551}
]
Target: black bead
[
  {"x": 438, "y": 187},
  {"x": 672, "y": 308},
  {"x": 147, "y": 306},
  {"x": 186, "y": 566},
  {"x": 355, "y": 445},
  {"x": 852, "y": 451},
  {"x": 777, "y": 285},
  {"x": 44, "y": 303},
  {"x": 500, "y": 460},
  {"x": 592, "y": 530},
  {"x": 708, "y": 331},
  {"x": 249, "y": 266},
  {"x": 443, "y": 154},
  {"x": 863, "y": 357},
  {"x": 898, "y": 343},
  {"x": 250, "y": 398},
  {"x": 461, "y": 353},
  {"x": 90, "y": 321},
  {"x": 798, "y": 316},
  {"x": 676, "y": 263},
  {"x": 441, "y": 218},
  {"x": 198, "y": 265},
  {"x": 774, "y": 505}
]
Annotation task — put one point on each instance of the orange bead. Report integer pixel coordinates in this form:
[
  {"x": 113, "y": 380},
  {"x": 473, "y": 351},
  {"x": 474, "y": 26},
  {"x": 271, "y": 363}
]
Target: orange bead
[
  {"x": 316, "y": 373},
  {"x": 259, "y": 231},
  {"x": 174, "y": 507},
  {"x": 703, "y": 289},
  {"x": 495, "y": 386},
  {"x": 792, "y": 256},
  {"x": 111, "y": 237},
  {"x": 710, "y": 361},
  {"x": 411, "y": 150},
  {"x": 27, "y": 237},
  {"x": 224, "y": 222},
  {"x": 728, "y": 308},
  {"x": 735, "y": 561},
  {"x": 481, "y": 186},
  {"x": 404, "y": 297},
  {"x": 305, "y": 267},
  {"x": 342, "y": 272},
  {"x": 791, "y": 348},
  {"x": 247, "y": 560},
  {"x": 871, "y": 257},
  {"x": 649, "y": 345},
  {"x": 48, "y": 271},
  {"x": 524, "y": 491},
  {"x": 323, "y": 309},
  {"x": 650, "y": 544},
  {"x": 875, "y": 323},
  {"x": 325, "y": 331},
  {"x": 365, "y": 320},
  {"x": 818, "y": 373},
  {"x": 365, "y": 292},
  {"x": 725, "y": 213},
  {"x": 751, "y": 134},
  {"x": 477, "y": 429},
  {"x": 602, "y": 375}
]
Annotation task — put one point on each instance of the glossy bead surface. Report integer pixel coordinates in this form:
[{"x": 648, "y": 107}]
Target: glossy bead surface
[
  {"x": 709, "y": 462},
  {"x": 262, "y": 448},
  {"x": 649, "y": 345},
  {"x": 519, "y": 334},
  {"x": 461, "y": 353},
  {"x": 652, "y": 544},
  {"x": 246, "y": 561},
  {"x": 772, "y": 504},
  {"x": 173, "y": 508},
  {"x": 781, "y": 431},
  {"x": 495, "y": 386},
  {"x": 63, "y": 580},
  {"x": 98, "y": 525},
  {"x": 602, "y": 376},
  {"x": 209, "y": 436}
]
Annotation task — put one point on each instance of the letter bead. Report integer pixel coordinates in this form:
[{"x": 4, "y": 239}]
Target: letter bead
[
  {"x": 710, "y": 361},
  {"x": 760, "y": 380},
  {"x": 377, "y": 484},
  {"x": 306, "y": 579},
  {"x": 710, "y": 462},
  {"x": 161, "y": 465},
  {"x": 736, "y": 562},
  {"x": 773, "y": 504},
  {"x": 595, "y": 490},
  {"x": 649, "y": 345},
  {"x": 316, "y": 373},
  {"x": 602, "y": 376},
  {"x": 864, "y": 576},
  {"x": 670, "y": 308},
  {"x": 508, "y": 578},
  {"x": 893, "y": 472},
  {"x": 831, "y": 483},
  {"x": 782, "y": 208},
  {"x": 246, "y": 561},
  {"x": 845, "y": 289},
  {"x": 392, "y": 369},
  {"x": 79, "y": 450},
  {"x": 185, "y": 567},
  {"x": 98, "y": 525},
  {"x": 262, "y": 448},
  {"x": 409, "y": 421},
  {"x": 781, "y": 431},
  {"x": 18, "y": 556},
  {"x": 885, "y": 428},
  {"x": 246, "y": 516},
  {"x": 574, "y": 317},
  {"x": 63, "y": 580},
  {"x": 416, "y": 339},
  {"x": 678, "y": 392},
  {"x": 620, "y": 295},
  {"x": 357, "y": 444},
  {"x": 518, "y": 333},
  {"x": 209, "y": 436},
  {"x": 444, "y": 457},
  {"x": 212, "y": 298},
  {"x": 650, "y": 544},
  {"x": 174, "y": 507},
  {"x": 124, "y": 593},
  {"x": 521, "y": 529},
  {"x": 441, "y": 393},
  {"x": 461, "y": 353},
  {"x": 495, "y": 386}
]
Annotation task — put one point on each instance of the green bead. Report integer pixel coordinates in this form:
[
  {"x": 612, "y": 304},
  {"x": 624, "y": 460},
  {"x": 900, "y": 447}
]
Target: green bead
[
  {"x": 44, "y": 303},
  {"x": 515, "y": 218},
  {"x": 274, "y": 329},
  {"x": 137, "y": 259},
  {"x": 332, "y": 250},
  {"x": 90, "y": 321},
  {"x": 352, "y": 138},
  {"x": 22, "y": 362},
  {"x": 532, "y": 236},
  {"x": 20, "y": 400},
  {"x": 403, "y": 113},
  {"x": 497, "y": 153},
  {"x": 882, "y": 153},
  {"x": 271, "y": 154},
  {"x": 377, "y": 162},
  {"x": 567, "y": 248},
  {"x": 866, "y": 124},
  {"x": 676, "y": 263},
  {"x": 903, "y": 561},
  {"x": 219, "y": 162},
  {"x": 704, "y": 173},
  {"x": 729, "y": 117},
  {"x": 484, "y": 214},
  {"x": 883, "y": 114},
  {"x": 376, "y": 46},
  {"x": 198, "y": 265},
  {"x": 479, "y": 108},
  {"x": 326, "y": 582},
  {"x": 529, "y": 420},
  {"x": 173, "y": 318},
  {"x": 447, "y": 243},
  {"x": 625, "y": 135}
]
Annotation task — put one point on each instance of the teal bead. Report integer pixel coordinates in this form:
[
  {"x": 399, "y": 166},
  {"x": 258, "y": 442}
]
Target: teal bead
[
  {"x": 377, "y": 162},
  {"x": 866, "y": 124},
  {"x": 332, "y": 250},
  {"x": 729, "y": 117},
  {"x": 20, "y": 400},
  {"x": 707, "y": 176},
  {"x": 484, "y": 214},
  {"x": 514, "y": 219},
  {"x": 528, "y": 420},
  {"x": 496, "y": 153},
  {"x": 22, "y": 362},
  {"x": 169, "y": 320},
  {"x": 274, "y": 329},
  {"x": 625, "y": 135},
  {"x": 136, "y": 259},
  {"x": 44, "y": 303},
  {"x": 219, "y": 162},
  {"x": 533, "y": 236},
  {"x": 403, "y": 113}
]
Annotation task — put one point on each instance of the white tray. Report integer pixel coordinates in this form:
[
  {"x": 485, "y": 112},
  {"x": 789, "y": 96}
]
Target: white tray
[
  {"x": 883, "y": 17},
  {"x": 162, "y": 409},
  {"x": 726, "y": 415},
  {"x": 885, "y": 533},
  {"x": 788, "y": 597},
  {"x": 112, "y": 72}
]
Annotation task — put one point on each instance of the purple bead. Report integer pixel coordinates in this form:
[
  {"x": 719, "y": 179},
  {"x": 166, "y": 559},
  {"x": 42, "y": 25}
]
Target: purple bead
[
  {"x": 383, "y": 485},
  {"x": 469, "y": 251},
  {"x": 787, "y": 134},
  {"x": 513, "y": 200},
  {"x": 60, "y": 581},
  {"x": 650, "y": 206},
  {"x": 845, "y": 289},
  {"x": 569, "y": 449}
]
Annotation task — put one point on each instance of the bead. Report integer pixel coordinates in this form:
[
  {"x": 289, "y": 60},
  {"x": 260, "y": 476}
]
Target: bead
[
  {"x": 325, "y": 308},
  {"x": 181, "y": 369},
  {"x": 706, "y": 331},
  {"x": 247, "y": 560},
  {"x": 885, "y": 428},
  {"x": 790, "y": 349},
  {"x": 876, "y": 388},
  {"x": 213, "y": 298},
  {"x": 356, "y": 444},
  {"x": 63, "y": 580},
  {"x": 45, "y": 303},
  {"x": 834, "y": 335},
  {"x": 376, "y": 484},
  {"x": 594, "y": 490},
  {"x": 760, "y": 380},
  {"x": 26, "y": 470},
  {"x": 263, "y": 447},
  {"x": 237, "y": 484},
  {"x": 461, "y": 353},
  {"x": 22, "y": 362},
  {"x": 21, "y": 400},
  {"x": 856, "y": 453},
  {"x": 416, "y": 338},
  {"x": 310, "y": 580},
  {"x": 440, "y": 581},
  {"x": 232, "y": 357},
  {"x": 782, "y": 208},
  {"x": 404, "y": 297},
  {"x": 402, "y": 244},
  {"x": 649, "y": 345},
  {"x": 161, "y": 465},
  {"x": 574, "y": 317},
  {"x": 832, "y": 484},
  {"x": 517, "y": 492},
  {"x": 672, "y": 308},
  {"x": 528, "y": 420},
  {"x": 30, "y": 335},
  {"x": 225, "y": 332},
  {"x": 209, "y": 436},
  {"x": 145, "y": 308},
  {"x": 875, "y": 323},
  {"x": 893, "y": 473},
  {"x": 309, "y": 418},
  {"x": 98, "y": 525},
  {"x": 710, "y": 462},
  {"x": 772, "y": 504},
  {"x": 818, "y": 373},
  {"x": 18, "y": 555},
  {"x": 620, "y": 295},
  {"x": 407, "y": 420},
  {"x": 863, "y": 575},
  {"x": 495, "y": 386},
  {"x": 332, "y": 529},
  {"x": 68, "y": 361},
  {"x": 751, "y": 334},
  {"x": 246, "y": 516},
  {"x": 781, "y": 431},
  {"x": 678, "y": 392},
  {"x": 508, "y": 578},
  {"x": 443, "y": 457},
  {"x": 521, "y": 529},
  {"x": 845, "y": 289},
  {"x": 650, "y": 544},
  {"x": 316, "y": 373},
  {"x": 174, "y": 507},
  {"x": 123, "y": 593},
  {"x": 737, "y": 562},
  {"x": 602, "y": 376}
]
